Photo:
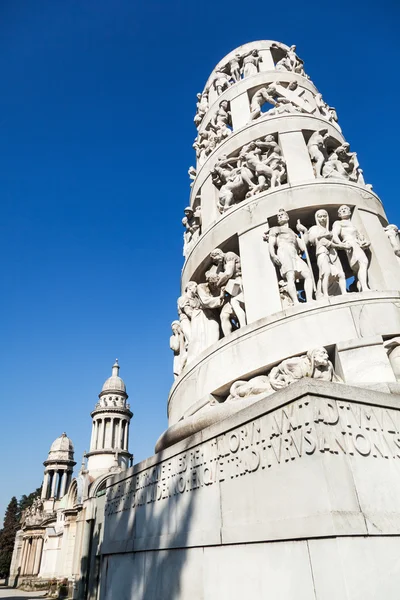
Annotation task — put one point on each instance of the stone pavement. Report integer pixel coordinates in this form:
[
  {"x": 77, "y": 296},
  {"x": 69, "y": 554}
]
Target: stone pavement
[{"x": 9, "y": 593}]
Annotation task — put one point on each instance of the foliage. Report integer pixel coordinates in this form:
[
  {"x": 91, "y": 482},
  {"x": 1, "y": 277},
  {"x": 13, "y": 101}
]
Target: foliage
[
  {"x": 7, "y": 535},
  {"x": 11, "y": 524}
]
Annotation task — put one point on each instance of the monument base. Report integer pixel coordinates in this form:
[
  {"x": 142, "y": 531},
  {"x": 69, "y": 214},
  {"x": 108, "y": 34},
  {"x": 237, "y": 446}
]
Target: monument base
[{"x": 296, "y": 496}]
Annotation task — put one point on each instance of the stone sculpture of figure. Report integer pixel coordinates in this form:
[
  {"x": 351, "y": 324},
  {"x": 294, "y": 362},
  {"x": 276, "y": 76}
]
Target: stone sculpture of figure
[
  {"x": 354, "y": 243},
  {"x": 290, "y": 62},
  {"x": 221, "y": 82},
  {"x": 251, "y": 62},
  {"x": 202, "y": 107},
  {"x": 392, "y": 231},
  {"x": 350, "y": 163},
  {"x": 256, "y": 167},
  {"x": 234, "y": 67},
  {"x": 227, "y": 176},
  {"x": 273, "y": 157},
  {"x": 334, "y": 168},
  {"x": 315, "y": 364},
  {"x": 204, "y": 144},
  {"x": 192, "y": 174},
  {"x": 227, "y": 267},
  {"x": 192, "y": 224},
  {"x": 329, "y": 265},
  {"x": 178, "y": 344},
  {"x": 187, "y": 303},
  {"x": 198, "y": 320},
  {"x": 261, "y": 96},
  {"x": 285, "y": 248},
  {"x": 221, "y": 121},
  {"x": 317, "y": 150},
  {"x": 246, "y": 389},
  {"x": 328, "y": 112}
]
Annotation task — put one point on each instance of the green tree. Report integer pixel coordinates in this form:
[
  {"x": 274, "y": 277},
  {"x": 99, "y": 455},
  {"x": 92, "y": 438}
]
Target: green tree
[{"x": 7, "y": 535}]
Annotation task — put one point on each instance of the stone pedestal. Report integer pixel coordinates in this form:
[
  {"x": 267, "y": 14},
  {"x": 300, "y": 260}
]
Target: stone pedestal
[{"x": 292, "y": 497}]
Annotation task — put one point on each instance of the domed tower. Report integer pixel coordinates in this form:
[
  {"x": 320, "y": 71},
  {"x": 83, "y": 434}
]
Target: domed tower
[
  {"x": 110, "y": 433},
  {"x": 58, "y": 469}
]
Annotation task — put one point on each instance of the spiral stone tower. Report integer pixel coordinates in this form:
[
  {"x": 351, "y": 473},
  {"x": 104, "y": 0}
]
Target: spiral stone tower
[{"x": 281, "y": 459}]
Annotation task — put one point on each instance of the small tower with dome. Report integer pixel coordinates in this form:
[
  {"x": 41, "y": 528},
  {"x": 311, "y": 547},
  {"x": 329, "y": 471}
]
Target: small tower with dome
[
  {"x": 58, "y": 470},
  {"x": 110, "y": 432}
]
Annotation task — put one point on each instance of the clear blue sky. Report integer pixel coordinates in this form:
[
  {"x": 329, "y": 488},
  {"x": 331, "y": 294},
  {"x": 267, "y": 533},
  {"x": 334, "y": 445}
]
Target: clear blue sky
[{"x": 96, "y": 127}]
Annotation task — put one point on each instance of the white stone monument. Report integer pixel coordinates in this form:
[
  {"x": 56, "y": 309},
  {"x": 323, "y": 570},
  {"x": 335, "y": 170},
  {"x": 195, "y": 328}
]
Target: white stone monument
[{"x": 279, "y": 474}]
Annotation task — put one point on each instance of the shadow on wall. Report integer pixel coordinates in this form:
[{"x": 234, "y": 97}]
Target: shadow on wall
[{"x": 163, "y": 518}]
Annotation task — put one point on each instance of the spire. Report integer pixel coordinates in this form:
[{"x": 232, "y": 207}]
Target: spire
[{"x": 115, "y": 368}]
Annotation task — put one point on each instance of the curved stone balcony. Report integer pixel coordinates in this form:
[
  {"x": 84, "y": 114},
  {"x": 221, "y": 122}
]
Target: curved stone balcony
[{"x": 339, "y": 323}]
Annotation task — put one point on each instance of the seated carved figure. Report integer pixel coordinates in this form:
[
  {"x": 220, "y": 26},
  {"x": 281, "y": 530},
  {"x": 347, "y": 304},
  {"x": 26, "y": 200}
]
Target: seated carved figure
[{"x": 315, "y": 365}]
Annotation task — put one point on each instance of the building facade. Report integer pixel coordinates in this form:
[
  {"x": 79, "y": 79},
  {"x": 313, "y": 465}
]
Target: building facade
[{"x": 57, "y": 531}]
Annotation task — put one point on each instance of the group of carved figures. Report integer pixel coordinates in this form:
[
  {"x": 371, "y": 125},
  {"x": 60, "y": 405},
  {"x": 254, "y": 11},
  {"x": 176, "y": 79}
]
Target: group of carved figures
[
  {"x": 34, "y": 513},
  {"x": 339, "y": 163},
  {"x": 258, "y": 167},
  {"x": 216, "y": 132},
  {"x": 288, "y": 98},
  {"x": 192, "y": 224},
  {"x": 207, "y": 309},
  {"x": 313, "y": 365},
  {"x": 287, "y": 248},
  {"x": 242, "y": 66}
]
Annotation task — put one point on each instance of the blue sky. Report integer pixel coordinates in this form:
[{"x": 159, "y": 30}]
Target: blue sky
[{"x": 96, "y": 128}]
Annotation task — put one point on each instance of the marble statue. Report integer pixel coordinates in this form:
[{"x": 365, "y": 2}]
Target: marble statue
[
  {"x": 285, "y": 249},
  {"x": 329, "y": 266},
  {"x": 290, "y": 62},
  {"x": 178, "y": 345},
  {"x": 227, "y": 267},
  {"x": 192, "y": 175},
  {"x": 262, "y": 165},
  {"x": 202, "y": 107},
  {"x": 354, "y": 243},
  {"x": 221, "y": 82},
  {"x": 392, "y": 232},
  {"x": 197, "y": 316},
  {"x": 328, "y": 112},
  {"x": 187, "y": 303},
  {"x": 343, "y": 164},
  {"x": 234, "y": 67},
  {"x": 192, "y": 224},
  {"x": 259, "y": 166},
  {"x": 204, "y": 144},
  {"x": 261, "y": 96},
  {"x": 251, "y": 62},
  {"x": 317, "y": 150},
  {"x": 314, "y": 365},
  {"x": 221, "y": 121},
  {"x": 228, "y": 177},
  {"x": 275, "y": 95}
]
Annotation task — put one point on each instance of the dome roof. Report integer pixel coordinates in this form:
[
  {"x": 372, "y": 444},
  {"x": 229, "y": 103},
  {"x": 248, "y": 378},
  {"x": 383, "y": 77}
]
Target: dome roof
[
  {"x": 114, "y": 383},
  {"x": 62, "y": 449}
]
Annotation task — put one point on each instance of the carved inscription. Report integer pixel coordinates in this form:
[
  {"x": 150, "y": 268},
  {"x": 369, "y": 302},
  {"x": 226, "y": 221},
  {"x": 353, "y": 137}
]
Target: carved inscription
[{"x": 301, "y": 429}]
